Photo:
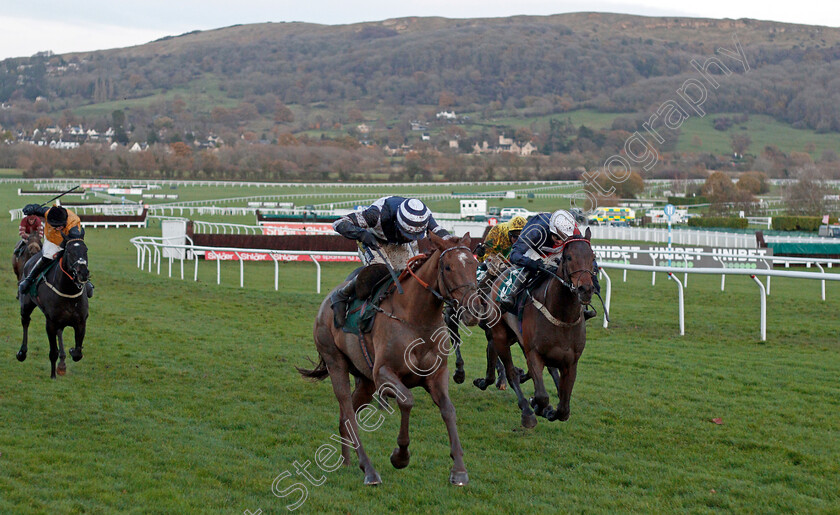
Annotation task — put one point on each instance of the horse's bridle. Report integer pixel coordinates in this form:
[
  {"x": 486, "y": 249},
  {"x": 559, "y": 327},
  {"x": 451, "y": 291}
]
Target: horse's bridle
[
  {"x": 447, "y": 296},
  {"x": 72, "y": 265},
  {"x": 567, "y": 278}
]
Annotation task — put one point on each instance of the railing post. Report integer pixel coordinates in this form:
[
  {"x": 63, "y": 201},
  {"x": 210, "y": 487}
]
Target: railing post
[
  {"x": 241, "y": 270},
  {"x": 823, "y": 281},
  {"x": 606, "y": 276},
  {"x": 681, "y": 302},
  {"x": 317, "y": 274},
  {"x": 218, "y": 269},
  {"x": 653, "y": 274},
  {"x": 276, "y": 272},
  {"x": 763, "y": 308}
]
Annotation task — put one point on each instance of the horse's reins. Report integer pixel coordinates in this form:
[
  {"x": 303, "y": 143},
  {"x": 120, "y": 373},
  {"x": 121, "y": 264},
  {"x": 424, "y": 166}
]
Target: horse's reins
[
  {"x": 446, "y": 299},
  {"x": 567, "y": 283},
  {"x": 72, "y": 278}
]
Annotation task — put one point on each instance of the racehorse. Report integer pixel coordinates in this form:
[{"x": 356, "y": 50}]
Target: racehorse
[
  {"x": 553, "y": 329},
  {"x": 408, "y": 344},
  {"x": 62, "y": 298},
  {"x": 32, "y": 247}
]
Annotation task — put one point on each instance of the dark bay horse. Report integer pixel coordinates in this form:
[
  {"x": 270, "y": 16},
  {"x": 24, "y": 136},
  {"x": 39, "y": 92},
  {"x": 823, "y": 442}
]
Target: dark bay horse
[
  {"x": 553, "y": 331},
  {"x": 62, "y": 298},
  {"x": 31, "y": 247},
  {"x": 408, "y": 346}
]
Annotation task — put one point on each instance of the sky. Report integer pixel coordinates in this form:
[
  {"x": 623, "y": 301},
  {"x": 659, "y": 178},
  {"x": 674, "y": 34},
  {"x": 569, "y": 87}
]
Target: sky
[{"x": 62, "y": 27}]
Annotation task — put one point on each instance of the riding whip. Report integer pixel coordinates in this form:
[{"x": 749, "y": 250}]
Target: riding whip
[
  {"x": 390, "y": 268},
  {"x": 59, "y": 196}
]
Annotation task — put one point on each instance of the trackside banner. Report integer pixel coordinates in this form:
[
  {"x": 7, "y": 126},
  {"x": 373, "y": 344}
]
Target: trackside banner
[
  {"x": 255, "y": 256},
  {"x": 295, "y": 228},
  {"x": 681, "y": 257}
]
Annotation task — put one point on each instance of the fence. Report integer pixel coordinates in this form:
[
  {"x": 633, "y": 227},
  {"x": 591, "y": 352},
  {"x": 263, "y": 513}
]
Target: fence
[
  {"x": 698, "y": 237},
  {"x": 152, "y": 247},
  {"x": 754, "y": 274}
]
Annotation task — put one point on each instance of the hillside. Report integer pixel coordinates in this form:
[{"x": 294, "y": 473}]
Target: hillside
[{"x": 537, "y": 65}]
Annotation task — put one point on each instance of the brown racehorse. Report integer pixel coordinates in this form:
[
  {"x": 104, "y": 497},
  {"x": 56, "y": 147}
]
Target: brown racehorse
[
  {"x": 553, "y": 331},
  {"x": 32, "y": 247},
  {"x": 408, "y": 347}
]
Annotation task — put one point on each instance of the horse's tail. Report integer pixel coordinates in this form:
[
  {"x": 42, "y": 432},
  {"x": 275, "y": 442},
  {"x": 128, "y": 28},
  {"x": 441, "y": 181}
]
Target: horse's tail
[{"x": 319, "y": 373}]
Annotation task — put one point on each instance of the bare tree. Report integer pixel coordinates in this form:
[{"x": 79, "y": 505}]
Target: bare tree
[{"x": 807, "y": 195}]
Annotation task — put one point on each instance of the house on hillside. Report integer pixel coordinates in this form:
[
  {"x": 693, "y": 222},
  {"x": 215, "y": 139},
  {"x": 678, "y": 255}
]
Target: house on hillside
[{"x": 446, "y": 115}]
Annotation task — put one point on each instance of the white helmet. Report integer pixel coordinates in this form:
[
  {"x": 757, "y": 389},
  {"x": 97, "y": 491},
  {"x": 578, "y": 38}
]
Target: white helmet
[{"x": 563, "y": 224}]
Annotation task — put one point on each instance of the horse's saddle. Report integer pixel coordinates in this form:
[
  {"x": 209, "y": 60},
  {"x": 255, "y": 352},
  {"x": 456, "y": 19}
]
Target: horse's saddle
[
  {"x": 33, "y": 288},
  {"x": 373, "y": 285},
  {"x": 533, "y": 283}
]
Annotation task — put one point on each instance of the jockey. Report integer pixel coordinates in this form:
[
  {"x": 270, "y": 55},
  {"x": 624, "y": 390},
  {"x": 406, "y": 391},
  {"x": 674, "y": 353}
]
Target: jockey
[
  {"x": 392, "y": 224},
  {"x": 61, "y": 223},
  {"x": 30, "y": 224},
  {"x": 544, "y": 230},
  {"x": 497, "y": 245}
]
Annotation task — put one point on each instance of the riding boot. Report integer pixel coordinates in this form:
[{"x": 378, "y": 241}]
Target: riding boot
[
  {"x": 89, "y": 289},
  {"x": 21, "y": 244},
  {"x": 39, "y": 267},
  {"x": 339, "y": 302},
  {"x": 508, "y": 302}
]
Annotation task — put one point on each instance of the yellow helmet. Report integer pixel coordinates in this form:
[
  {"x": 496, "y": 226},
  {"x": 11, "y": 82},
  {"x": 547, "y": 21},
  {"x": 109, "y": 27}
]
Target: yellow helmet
[{"x": 517, "y": 223}]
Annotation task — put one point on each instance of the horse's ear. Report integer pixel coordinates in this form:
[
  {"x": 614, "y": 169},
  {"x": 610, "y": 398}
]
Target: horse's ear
[
  {"x": 466, "y": 241},
  {"x": 588, "y": 234},
  {"x": 437, "y": 241}
]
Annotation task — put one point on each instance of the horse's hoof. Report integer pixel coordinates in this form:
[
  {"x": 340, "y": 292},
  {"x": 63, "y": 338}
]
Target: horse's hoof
[
  {"x": 21, "y": 356},
  {"x": 524, "y": 377},
  {"x": 373, "y": 479},
  {"x": 550, "y": 414},
  {"x": 459, "y": 478},
  {"x": 529, "y": 421},
  {"x": 459, "y": 376},
  {"x": 76, "y": 354},
  {"x": 400, "y": 459},
  {"x": 480, "y": 383},
  {"x": 62, "y": 369},
  {"x": 501, "y": 383}
]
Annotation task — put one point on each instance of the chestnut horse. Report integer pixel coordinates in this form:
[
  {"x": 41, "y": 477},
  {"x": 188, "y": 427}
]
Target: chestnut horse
[
  {"x": 31, "y": 247},
  {"x": 408, "y": 347},
  {"x": 553, "y": 330}
]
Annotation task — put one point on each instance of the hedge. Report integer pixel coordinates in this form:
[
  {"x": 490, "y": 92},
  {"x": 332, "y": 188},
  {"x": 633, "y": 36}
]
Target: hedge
[
  {"x": 728, "y": 222},
  {"x": 800, "y": 223},
  {"x": 687, "y": 201}
]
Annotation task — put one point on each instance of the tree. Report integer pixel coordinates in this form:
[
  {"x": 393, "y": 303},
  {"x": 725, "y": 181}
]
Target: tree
[
  {"x": 719, "y": 188},
  {"x": 807, "y": 195},
  {"x": 740, "y": 142}
]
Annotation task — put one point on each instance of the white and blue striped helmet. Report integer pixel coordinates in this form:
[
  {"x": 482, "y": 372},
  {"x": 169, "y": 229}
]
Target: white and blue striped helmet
[{"x": 413, "y": 219}]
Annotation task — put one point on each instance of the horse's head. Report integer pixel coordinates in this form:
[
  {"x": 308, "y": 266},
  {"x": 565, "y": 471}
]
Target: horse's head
[
  {"x": 574, "y": 265},
  {"x": 76, "y": 261},
  {"x": 33, "y": 243},
  {"x": 457, "y": 276}
]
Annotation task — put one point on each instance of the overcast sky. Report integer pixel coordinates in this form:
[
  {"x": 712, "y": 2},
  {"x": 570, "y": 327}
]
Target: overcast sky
[{"x": 61, "y": 26}]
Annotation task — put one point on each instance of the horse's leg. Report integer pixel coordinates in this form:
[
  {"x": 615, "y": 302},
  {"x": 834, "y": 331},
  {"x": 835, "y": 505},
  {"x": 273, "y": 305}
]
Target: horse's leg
[
  {"x": 528, "y": 418},
  {"x": 452, "y": 325},
  {"x": 564, "y": 391},
  {"x": 347, "y": 427},
  {"x": 405, "y": 400},
  {"x": 52, "y": 331},
  {"x": 26, "y": 308},
  {"x": 76, "y": 352},
  {"x": 540, "y": 400},
  {"x": 62, "y": 366},
  {"x": 439, "y": 390},
  {"x": 490, "y": 373}
]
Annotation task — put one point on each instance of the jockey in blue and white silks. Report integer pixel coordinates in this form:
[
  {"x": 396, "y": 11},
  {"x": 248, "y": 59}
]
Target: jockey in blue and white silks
[
  {"x": 542, "y": 231},
  {"x": 391, "y": 224}
]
